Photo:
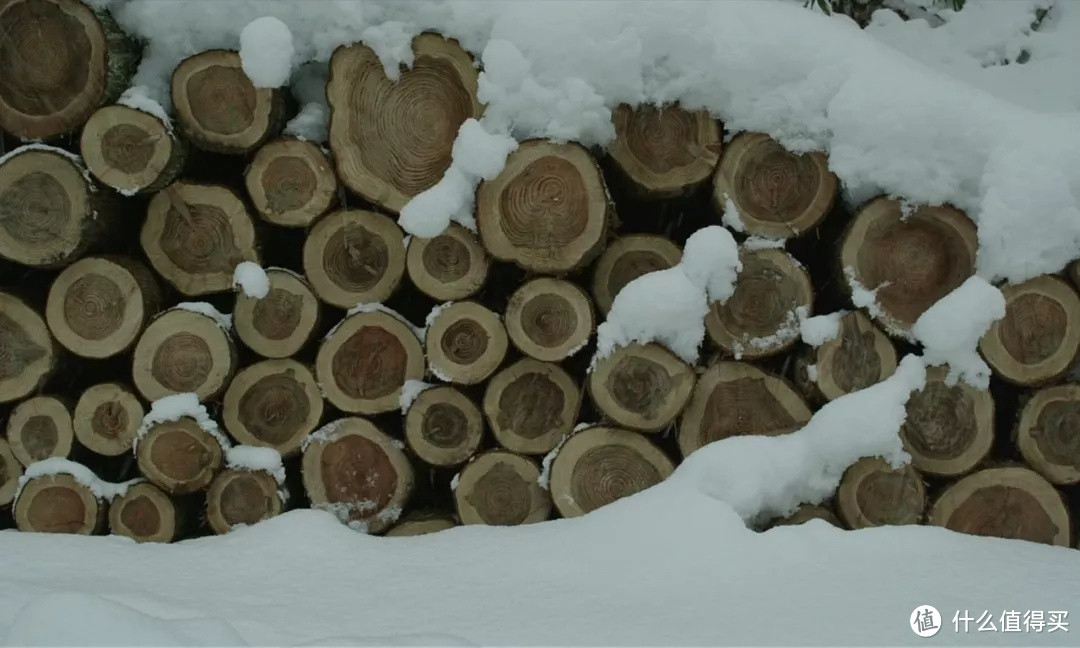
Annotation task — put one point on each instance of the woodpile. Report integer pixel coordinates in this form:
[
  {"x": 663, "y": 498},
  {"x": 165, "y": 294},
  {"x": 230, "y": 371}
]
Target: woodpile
[{"x": 412, "y": 384}]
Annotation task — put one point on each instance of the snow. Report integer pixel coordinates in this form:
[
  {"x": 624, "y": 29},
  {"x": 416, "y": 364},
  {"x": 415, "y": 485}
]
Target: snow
[
  {"x": 731, "y": 217},
  {"x": 176, "y": 407},
  {"x": 38, "y": 146},
  {"x": 819, "y": 329},
  {"x": 138, "y": 97},
  {"x": 266, "y": 52},
  {"x": 251, "y": 278},
  {"x": 256, "y": 458},
  {"x": 763, "y": 243},
  {"x": 325, "y": 434},
  {"x": 862, "y": 296},
  {"x": 59, "y": 466},
  {"x": 950, "y": 330},
  {"x": 669, "y": 306},
  {"x": 223, "y": 320},
  {"x": 409, "y": 391},
  {"x": 311, "y": 124},
  {"x": 420, "y": 332}
]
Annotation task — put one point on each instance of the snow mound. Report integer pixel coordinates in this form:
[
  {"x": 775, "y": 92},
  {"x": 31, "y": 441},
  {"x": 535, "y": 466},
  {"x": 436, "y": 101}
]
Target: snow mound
[
  {"x": 223, "y": 320},
  {"x": 819, "y": 329},
  {"x": 256, "y": 458},
  {"x": 950, "y": 330},
  {"x": 251, "y": 278},
  {"x": 176, "y": 407},
  {"x": 59, "y": 466},
  {"x": 266, "y": 52}
]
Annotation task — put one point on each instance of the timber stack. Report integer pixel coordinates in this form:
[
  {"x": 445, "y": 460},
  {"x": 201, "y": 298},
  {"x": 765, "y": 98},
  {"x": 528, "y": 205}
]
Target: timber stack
[{"x": 411, "y": 384}]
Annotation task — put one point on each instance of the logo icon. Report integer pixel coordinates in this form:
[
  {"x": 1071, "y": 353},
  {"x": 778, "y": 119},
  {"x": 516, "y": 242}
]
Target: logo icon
[{"x": 925, "y": 621}]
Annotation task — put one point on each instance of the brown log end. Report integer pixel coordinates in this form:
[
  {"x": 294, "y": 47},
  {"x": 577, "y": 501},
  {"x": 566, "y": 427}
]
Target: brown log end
[
  {"x": 55, "y": 60},
  {"x": 47, "y": 208},
  {"x": 912, "y": 261},
  {"x": 804, "y": 514},
  {"x": 10, "y": 472},
  {"x": 642, "y": 387},
  {"x": 873, "y": 493},
  {"x": 465, "y": 343},
  {"x": 1007, "y": 502},
  {"x": 860, "y": 356},
  {"x": 358, "y": 473},
  {"x": 550, "y": 319},
  {"x": 179, "y": 457},
  {"x": 664, "y": 151},
  {"x": 548, "y": 211},
  {"x": 282, "y": 322},
  {"x": 443, "y": 427},
  {"x": 354, "y": 257},
  {"x": 626, "y": 258},
  {"x": 98, "y": 306},
  {"x": 393, "y": 139},
  {"x": 531, "y": 405},
  {"x": 40, "y": 428},
  {"x": 599, "y": 465},
  {"x": 182, "y": 351},
  {"x": 421, "y": 525},
  {"x": 1048, "y": 433},
  {"x": 451, "y": 266},
  {"x": 738, "y": 399},
  {"x": 501, "y": 488},
  {"x": 107, "y": 418},
  {"x": 949, "y": 429},
  {"x": 1038, "y": 340},
  {"x": 291, "y": 182},
  {"x": 27, "y": 351},
  {"x": 241, "y": 497},
  {"x": 219, "y": 109},
  {"x": 366, "y": 360},
  {"x": 778, "y": 194},
  {"x": 274, "y": 404},
  {"x": 145, "y": 514},
  {"x": 761, "y": 317},
  {"x": 130, "y": 150},
  {"x": 59, "y": 504},
  {"x": 196, "y": 234}
]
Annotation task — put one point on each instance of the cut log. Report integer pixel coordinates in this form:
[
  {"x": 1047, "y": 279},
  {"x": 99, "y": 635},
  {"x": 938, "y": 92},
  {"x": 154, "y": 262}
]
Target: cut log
[
  {"x": 27, "y": 353},
  {"x": 761, "y": 318},
  {"x": 358, "y": 473},
  {"x": 131, "y": 151},
  {"x": 98, "y": 306},
  {"x": 531, "y": 405},
  {"x": 548, "y": 211},
  {"x": 145, "y": 514},
  {"x": 179, "y": 457},
  {"x": 465, "y": 343},
  {"x": 1038, "y": 340},
  {"x": 291, "y": 182},
  {"x": 738, "y": 399},
  {"x": 195, "y": 235},
  {"x": 183, "y": 351},
  {"x": 10, "y": 472},
  {"x": 443, "y": 427},
  {"x": 50, "y": 212},
  {"x": 40, "y": 428},
  {"x": 242, "y": 497},
  {"x": 808, "y": 512},
  {"x": 627, "y": 258},
  {"x": 107, "y": 418},
  {"x": 778, "y": 194},
  {"x": 59, "y": 504},
  {"x": 501, "y": 488},
  {"x": 453, "y": 265},
  {"x": 948, "y": 429},
  {"x": 354, "y": 257},
  {"x": 599, "y": 465},
  {"x": 219, "y": 109},
  {"x": 550, "y": 319},
  {"x": 910, "y": 260},
  {"x": 873, "y": 493},
  {"x": 860, "y": 356},
  {"x": 282, "y": 322},
  {"x": 1007, "y": 502},
  {"x": 363, "y": 363},
  {"x": 1048, "y": 433},
  {"x": 664, "y": 151},
  {"x": 421, "y": 525},
  {"x": 393, "y": 139},
  {"x": 61, "y": 60},
  {"x": 642, "y": 387},
  {"x": 274, "y": 404}
]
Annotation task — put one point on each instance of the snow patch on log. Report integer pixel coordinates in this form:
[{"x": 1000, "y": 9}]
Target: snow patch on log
[
  {"x": 409, "y": 391},
  {"x": 419, "y": 331},
  {"x": 176, "y": 407},
  {"x": 950, "y": 330},
  {"x": 819, "y": 329},
  {"x": 249, "y": 457},
  {"x": 251, "y": 278},
  {"x": 311, "y": 124},
  {"x": 224, "y": 321},
  {"x": 731, "y": 217},
  {"x": 38, "y": 146},
  {"x": 101, "y": 489},
  {"x": 138, "y": 97},
  {"x": 266, "y": 52}
]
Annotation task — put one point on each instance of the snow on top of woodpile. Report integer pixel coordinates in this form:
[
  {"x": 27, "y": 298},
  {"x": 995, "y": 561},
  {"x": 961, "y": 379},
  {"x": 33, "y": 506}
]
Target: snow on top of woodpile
[
  {"x": 101, "y": 489},
  {"x": 266, "y": 52},
  {"x": 950, "y": 330}
]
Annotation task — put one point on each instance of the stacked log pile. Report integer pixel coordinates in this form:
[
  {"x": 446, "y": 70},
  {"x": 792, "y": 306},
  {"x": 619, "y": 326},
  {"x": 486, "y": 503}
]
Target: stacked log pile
[{"x": 412, "y": 384}]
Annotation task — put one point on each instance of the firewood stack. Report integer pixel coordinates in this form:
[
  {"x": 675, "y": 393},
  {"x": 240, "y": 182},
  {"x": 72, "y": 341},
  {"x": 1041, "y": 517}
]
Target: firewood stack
[{"x": 111, "y": 229}]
